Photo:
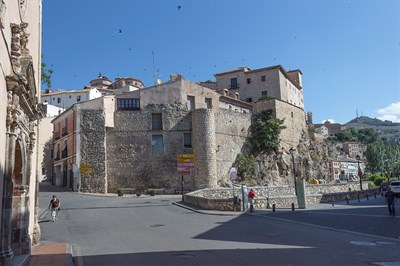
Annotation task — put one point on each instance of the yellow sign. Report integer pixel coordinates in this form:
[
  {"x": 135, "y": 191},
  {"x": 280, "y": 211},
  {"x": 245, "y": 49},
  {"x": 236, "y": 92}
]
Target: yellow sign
[
  {"x": 185, "y": 160},
  {"x": 86, "y": 169},
  {"x": 188, "y": 155}
]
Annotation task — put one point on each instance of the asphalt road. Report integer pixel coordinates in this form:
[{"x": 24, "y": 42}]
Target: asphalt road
[{"x": 153, "y": 231}]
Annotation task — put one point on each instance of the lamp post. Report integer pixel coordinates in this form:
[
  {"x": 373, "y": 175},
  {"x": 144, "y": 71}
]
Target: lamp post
[
  {"x": 359, "y": 170},
  {"x": 292, "y": 150}
]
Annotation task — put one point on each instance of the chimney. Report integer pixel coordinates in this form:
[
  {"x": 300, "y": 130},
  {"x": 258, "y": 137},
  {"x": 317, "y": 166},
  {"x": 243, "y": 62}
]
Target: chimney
[
  {"x": 237, "y": 95},
  {"x": 225, "y": 92},
  {"x": 174, "y": 76}
]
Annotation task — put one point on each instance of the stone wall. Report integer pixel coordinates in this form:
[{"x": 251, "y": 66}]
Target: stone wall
[
  {"x": 130, "y": 162},
  {"x": 205, "y": 149},
  {"x": 294, "y": 120},
  {"x": 231, "y": 131},
  {"x": 282, "y": 196},
  {"x": 92, "y": 147}
]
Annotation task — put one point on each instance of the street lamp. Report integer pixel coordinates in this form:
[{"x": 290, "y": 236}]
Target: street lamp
[
  {"x": 292, "y": 150},
  {"x": 359, "y": 170}
]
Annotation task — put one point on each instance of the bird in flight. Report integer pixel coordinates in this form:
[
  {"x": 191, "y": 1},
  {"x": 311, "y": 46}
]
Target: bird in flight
[
  {"x": 120, "y": 31},
  {"x": 179, "y": 8}
]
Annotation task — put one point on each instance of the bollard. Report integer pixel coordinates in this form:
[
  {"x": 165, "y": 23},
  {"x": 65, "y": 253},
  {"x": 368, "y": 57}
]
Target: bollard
[
  {"x": 367, "y": 196},
  {"x": 273, "y": 207},
  {"x": 347, "y": 199},
  {"x": 292, "y": 206},
  {"x": 358, "y": 197},
  {"x": 374, "y": 195},
  {"x": 268, "y": 204},
  {"x": 333, "y": 201}
]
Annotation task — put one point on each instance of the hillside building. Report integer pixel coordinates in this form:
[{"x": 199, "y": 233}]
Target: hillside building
[
  {"x": 274, "y": 82},
  {"x": 133, "y": 139}
]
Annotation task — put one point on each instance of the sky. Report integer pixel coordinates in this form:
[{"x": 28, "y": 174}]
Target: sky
[{"x": 348, "y": 51}]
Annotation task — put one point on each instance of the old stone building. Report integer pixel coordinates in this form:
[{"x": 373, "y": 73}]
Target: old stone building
[
  {"x": 274, "y": 82},
  {"x": 133, "y": 140},
  {"x": 20, "y": 25}
]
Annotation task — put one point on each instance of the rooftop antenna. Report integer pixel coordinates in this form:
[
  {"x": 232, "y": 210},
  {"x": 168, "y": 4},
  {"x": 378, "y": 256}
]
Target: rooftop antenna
[
  {"x": 357, "y": 113},
  {"x": 155, "y": 73}
]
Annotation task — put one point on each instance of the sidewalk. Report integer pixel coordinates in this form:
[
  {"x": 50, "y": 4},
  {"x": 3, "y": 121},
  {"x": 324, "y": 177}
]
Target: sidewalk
[{"x": 57, "y": 254}]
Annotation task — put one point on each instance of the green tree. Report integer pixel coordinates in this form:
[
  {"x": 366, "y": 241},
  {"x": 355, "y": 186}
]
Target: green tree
[
  {"x": 265, "y": 132},
  {"x": 245, "y": 166},
  {"x": 46, "y": 74}
]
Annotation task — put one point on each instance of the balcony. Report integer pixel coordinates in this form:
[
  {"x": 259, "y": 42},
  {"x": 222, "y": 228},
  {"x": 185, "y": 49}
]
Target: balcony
[
  {"x": 57, "y": 135},
  {"x": 65, "y": 131}
]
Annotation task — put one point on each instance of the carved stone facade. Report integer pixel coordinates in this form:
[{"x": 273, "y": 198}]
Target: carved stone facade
[{"x": 18, "y": 128}]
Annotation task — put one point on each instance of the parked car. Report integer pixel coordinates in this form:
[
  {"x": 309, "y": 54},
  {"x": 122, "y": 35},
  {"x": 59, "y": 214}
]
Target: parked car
[{"x": 395, "y": 187}]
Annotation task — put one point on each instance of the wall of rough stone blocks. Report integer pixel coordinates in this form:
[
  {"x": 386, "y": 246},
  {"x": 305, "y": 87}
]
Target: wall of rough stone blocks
[
  {"x": 130, "y": 162},
  {"x": 294, "y": 119},
  {"x": 92, "y": 147},
  {"x": 231, "y": 131},
  {"x": 204, "y": 147}
]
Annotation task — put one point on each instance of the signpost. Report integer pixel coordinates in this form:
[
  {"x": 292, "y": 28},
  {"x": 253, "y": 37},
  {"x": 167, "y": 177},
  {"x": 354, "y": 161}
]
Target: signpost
[
  {"x": 233, "y": 176},
  {"x": 185, "y": 163}
]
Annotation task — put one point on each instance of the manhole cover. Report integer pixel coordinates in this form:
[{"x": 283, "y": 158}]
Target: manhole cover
[
  {"x": 184, "y": 256},
  {"x": 362, "y": 243},
  {"x": 157, "y": 225},
  {"x": 386, "y": 243}
]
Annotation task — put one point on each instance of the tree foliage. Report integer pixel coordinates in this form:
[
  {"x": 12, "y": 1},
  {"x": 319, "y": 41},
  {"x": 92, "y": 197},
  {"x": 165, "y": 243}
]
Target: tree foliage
[
  {"x": 245, "y": 166},
  {"x": 366, "y": 135},
  {"x": 46, "y": 74},
  {"x": 383, "y": 157},
  {"x": 265, "y": 132}
]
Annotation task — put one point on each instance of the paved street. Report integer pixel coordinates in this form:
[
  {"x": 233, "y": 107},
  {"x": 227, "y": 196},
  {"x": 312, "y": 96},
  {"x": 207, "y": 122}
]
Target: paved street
[{"x": 152, "y": 231}]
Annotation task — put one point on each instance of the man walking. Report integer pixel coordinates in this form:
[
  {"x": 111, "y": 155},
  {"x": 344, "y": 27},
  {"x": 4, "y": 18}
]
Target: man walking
[
  {"x": 389, "y": 198},
  {"x": 55, "y": 207}
]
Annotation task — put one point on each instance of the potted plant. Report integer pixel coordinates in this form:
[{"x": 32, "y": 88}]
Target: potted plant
[{"x": 121, "y": 192}]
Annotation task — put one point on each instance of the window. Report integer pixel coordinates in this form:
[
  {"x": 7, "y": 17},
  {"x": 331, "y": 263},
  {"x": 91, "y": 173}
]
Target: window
[
  {"x": 248, "y": 81},
  {"x": 156, "y": 121},
  {"x": 187, "y": 140},
  {"x": 157, "y": 144},
  {"x": 128, "y": 104},
  {"x": 249, "y": 100},
  {"x": 58, "y": 100},
  {"x": 208, "y": 103},
  {"x": 264, "y": 93},
  {"x": 292, "y": 114},
  {"x": 191, "y": 105},
  {"x": 263, "y": 78},
  {"x": 78, "y": 98},
  {"x": 234, "y": 83},
  {"x": 43, "y": 171}
]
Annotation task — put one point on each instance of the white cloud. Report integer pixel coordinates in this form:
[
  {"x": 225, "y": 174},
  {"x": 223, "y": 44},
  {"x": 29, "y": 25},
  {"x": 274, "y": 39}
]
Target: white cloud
[{"x": 390, "y": 112}]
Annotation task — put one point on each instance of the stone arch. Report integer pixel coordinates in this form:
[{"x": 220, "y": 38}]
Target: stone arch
[{"x": 19, "y": 197}]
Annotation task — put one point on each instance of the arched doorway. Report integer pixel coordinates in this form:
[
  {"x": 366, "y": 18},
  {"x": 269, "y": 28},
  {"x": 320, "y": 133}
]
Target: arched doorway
[{"x": 18, "y": 201}]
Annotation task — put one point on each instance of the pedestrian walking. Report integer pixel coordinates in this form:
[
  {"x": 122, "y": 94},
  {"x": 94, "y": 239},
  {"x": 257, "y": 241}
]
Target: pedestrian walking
[
  {"x": 54, "y": 206},
  {"x": 251, "y": 197},
  {"x": 389, "y": 198}
]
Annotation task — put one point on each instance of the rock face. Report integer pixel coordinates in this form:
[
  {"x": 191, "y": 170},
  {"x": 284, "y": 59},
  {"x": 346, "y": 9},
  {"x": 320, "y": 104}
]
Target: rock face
[{"x": 276, "y": 167}]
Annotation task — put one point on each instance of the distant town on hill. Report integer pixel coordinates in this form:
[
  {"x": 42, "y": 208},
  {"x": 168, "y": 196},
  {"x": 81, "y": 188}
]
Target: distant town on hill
[{"x": 388, "y": 130}]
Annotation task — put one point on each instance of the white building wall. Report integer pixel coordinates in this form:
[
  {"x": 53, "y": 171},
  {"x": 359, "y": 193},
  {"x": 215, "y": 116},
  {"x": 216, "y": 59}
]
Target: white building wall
[{"x": 68, "y": 98}]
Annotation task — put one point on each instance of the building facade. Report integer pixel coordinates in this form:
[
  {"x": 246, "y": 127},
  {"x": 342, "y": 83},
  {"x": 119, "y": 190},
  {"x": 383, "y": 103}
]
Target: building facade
[
  {"x": 345, "y": 169},
  {"x": 65, "y": 99},
  {"x": 133, "y": 139},
  {"x": 20, "y": 59},
  {"x": 274, "y": 82}
]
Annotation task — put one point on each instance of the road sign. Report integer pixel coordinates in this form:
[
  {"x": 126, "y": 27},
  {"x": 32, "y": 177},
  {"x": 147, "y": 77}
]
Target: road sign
[
  {"x": 185, "y": 163},
  {"x": 86, "y": 168},
  {"x": 233, "y": 173}
]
